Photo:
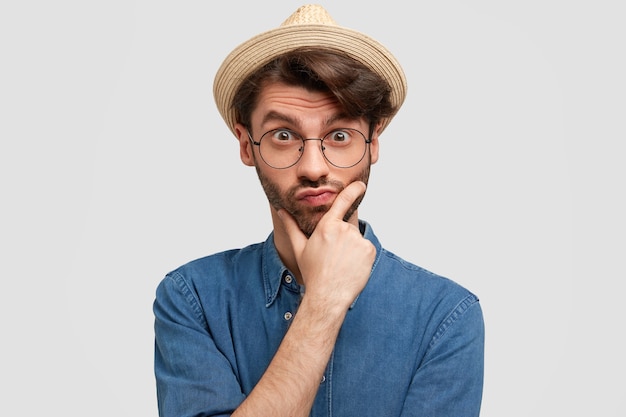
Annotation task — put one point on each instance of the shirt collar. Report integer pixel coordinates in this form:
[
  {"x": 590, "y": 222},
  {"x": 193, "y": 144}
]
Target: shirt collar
[{"x": 274, "y": 271}]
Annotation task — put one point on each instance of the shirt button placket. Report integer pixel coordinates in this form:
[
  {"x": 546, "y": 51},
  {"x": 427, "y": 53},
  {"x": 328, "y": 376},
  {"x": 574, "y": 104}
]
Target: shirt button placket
[{"x": 288, "y": 280}]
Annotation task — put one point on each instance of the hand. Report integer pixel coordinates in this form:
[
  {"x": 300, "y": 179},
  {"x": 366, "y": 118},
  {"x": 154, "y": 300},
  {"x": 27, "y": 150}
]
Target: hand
[{"x": 336, "y": 261}]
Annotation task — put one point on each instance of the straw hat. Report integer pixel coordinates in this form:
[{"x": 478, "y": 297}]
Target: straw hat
[{"x": 310, "y": 25}]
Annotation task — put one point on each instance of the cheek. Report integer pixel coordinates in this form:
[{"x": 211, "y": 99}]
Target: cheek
[
  {"x": 361, "y": 174},
  {"x": 277, "y": 180}
]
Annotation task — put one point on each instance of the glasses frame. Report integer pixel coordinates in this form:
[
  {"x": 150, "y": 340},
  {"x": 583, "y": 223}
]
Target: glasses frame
[{"x": 304, "y": 140}]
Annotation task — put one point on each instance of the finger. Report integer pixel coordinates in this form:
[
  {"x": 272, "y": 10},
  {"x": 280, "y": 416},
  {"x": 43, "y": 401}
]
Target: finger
[
  {"x": 297, "y": 238},
  {"x": 345, "y": 199}
]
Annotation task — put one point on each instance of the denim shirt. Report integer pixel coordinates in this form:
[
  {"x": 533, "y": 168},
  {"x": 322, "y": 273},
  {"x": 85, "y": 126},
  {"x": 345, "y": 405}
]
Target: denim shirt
[{"x": 411, "y": 344}]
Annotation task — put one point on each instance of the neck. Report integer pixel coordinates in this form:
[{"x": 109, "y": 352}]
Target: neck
[{"x": 284, "y": 247}]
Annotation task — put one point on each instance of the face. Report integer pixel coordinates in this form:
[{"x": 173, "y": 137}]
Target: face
[{"x": 307, "y": 189}]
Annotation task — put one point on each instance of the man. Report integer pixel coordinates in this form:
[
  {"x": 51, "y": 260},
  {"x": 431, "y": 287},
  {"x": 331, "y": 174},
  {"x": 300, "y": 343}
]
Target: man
[{"x": 319, "y": 319}]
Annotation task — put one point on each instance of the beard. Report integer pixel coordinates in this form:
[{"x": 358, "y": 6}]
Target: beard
[{"x": 305, "y": 216}]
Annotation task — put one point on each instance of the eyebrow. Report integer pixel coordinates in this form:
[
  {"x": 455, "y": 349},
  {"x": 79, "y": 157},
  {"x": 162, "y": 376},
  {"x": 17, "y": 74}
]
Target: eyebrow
[{"x": 276, "y": 116}]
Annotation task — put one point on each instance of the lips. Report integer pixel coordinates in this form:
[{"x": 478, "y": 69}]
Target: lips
[{"x": 316, "y": 196}]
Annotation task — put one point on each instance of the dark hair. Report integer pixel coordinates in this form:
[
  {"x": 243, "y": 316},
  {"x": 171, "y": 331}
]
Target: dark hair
[{"x": 359, "y": 90}]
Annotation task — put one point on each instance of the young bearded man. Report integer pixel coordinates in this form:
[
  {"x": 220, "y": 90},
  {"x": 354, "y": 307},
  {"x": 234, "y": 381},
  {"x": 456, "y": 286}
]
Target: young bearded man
[{"x": 319, "y": 319}]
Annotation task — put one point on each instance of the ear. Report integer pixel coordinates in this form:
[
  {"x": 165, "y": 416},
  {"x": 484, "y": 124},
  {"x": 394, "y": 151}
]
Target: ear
[
  {"x": 374, "y": 145},
  {"x": 245, "y": 147}
]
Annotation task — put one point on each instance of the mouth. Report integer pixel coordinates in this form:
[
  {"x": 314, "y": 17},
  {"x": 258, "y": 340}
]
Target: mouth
[{"x": 316, "y": 196}]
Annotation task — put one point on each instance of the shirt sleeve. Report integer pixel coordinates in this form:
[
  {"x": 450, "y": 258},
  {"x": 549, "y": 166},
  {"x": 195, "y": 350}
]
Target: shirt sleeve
[
  {"x": 193, "y": 377},
  {"x": 449, "y": 381}
]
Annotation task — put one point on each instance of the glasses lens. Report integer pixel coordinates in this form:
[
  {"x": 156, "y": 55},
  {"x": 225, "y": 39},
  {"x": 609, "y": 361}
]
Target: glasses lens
[
  {"x": 344, "y": 148},
  {"x": 281, "y": 148}
]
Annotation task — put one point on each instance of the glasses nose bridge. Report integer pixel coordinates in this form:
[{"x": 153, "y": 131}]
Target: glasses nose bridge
[
  {"x": 305, "y": 140},
  {"x": 319, "y": 148}
]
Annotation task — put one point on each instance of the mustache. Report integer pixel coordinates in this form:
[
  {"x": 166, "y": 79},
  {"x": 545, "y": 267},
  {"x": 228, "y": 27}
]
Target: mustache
[{"x": 306, "y": 183}]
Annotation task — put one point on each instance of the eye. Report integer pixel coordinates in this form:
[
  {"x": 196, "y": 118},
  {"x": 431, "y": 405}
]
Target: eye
[
  {"x": 339, "y": 137},
  {"x": 284, "y": 136}
]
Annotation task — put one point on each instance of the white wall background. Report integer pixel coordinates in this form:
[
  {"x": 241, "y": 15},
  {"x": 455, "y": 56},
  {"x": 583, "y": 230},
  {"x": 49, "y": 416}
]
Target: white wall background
[{"x": 504, "y": 171}]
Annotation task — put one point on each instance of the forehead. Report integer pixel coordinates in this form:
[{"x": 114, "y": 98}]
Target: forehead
[
  {"x": 279, "y": 95},
  {"x": 295, "y": 103}
]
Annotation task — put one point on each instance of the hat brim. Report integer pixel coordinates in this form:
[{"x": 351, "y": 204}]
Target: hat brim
[{"x": 257, "y": 51}]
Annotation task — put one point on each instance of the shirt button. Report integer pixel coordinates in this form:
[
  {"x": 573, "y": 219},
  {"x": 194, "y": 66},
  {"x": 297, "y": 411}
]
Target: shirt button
[
  {"x": 323, "y": 379},
  {"x": 288, "y": 315},
  {"x": 288, "y": 279}
]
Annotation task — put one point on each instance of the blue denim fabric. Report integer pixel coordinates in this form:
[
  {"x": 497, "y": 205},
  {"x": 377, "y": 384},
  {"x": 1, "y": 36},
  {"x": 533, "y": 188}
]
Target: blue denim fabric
[{"x": 411, "y": 344}]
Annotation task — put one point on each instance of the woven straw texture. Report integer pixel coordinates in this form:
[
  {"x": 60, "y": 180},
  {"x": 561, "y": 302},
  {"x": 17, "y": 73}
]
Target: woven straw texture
[{"x": 310, "y": 25}]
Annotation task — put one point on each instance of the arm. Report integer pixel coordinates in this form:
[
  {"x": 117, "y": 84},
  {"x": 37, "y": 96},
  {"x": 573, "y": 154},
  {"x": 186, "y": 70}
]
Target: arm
[
  {"x": 291, "y": 382},
  {"x": 194, "y": 377},
  {"x": 335, "y": 264},
  {"x": 449, "y": 381}
]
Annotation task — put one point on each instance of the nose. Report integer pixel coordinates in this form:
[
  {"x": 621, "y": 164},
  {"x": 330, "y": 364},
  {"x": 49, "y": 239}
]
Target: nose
[{"x": 312, "y": 164}]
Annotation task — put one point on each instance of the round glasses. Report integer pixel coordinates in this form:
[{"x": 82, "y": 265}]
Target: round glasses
[{"x": 283, "y": 148}]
